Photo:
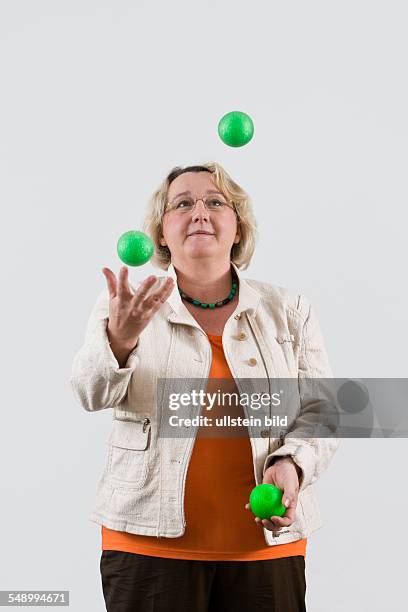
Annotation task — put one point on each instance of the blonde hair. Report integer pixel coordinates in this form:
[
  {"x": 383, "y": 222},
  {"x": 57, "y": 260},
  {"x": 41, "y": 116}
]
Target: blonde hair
[{"x": 241, "y": 253}]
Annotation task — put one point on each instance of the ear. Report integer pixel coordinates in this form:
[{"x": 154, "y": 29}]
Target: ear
[
  {"x": 237, "y": 238},
  {"x": 162, "y": 241}
]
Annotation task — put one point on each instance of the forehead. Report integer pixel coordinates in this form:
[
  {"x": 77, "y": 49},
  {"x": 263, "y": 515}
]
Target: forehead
[{"x": 196, "y": 182}]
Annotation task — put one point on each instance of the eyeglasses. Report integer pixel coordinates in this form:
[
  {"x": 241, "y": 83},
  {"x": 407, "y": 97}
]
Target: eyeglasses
[{"x": 185, "y": 204}]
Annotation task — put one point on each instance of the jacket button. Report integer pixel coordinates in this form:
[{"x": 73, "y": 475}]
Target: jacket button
[
  {"x": 252, "y": 361},
  {"x": 264, "y": 433},
  {"x": 242, "y": 335},
  {"x": 237, "y": 316}
]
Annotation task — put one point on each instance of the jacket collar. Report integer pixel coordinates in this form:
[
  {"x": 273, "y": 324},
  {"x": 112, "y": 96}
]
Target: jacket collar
[{"x": 248, "y": 298}]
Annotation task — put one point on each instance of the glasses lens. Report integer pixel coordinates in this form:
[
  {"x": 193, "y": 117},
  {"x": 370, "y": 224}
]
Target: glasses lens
[
  {"x": 183, "y": 204},
  {"x": 216, "y": 203}
]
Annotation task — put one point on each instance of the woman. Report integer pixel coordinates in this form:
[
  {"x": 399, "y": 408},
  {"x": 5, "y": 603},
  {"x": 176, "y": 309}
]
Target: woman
[{"x": 177, "y": 532}]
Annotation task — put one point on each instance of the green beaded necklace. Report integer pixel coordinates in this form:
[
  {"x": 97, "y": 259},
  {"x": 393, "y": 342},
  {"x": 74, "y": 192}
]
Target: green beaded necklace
[{"x": 215, "y": 304}]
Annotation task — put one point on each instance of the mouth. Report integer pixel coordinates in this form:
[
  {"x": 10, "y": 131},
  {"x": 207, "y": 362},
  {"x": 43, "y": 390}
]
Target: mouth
[{"x": 200, "y": 233}]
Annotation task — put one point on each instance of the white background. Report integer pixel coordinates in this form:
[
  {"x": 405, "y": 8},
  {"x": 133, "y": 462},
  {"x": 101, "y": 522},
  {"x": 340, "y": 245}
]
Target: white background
[{"x": 99, "y": 100}]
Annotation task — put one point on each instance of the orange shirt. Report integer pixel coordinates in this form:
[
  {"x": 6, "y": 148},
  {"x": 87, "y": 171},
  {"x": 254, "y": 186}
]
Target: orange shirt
[{"x": 219, "y": 480}]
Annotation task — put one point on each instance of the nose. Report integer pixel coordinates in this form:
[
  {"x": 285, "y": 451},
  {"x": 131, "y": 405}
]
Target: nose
[{"x": 200, "y": 211}]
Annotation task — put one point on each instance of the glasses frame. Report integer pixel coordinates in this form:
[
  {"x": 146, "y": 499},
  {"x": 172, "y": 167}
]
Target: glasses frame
[{"x": 229, "y": 203}]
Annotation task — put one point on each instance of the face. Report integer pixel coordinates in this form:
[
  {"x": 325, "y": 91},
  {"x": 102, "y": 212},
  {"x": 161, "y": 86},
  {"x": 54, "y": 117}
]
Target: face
[{"x": 178, "y": 229}]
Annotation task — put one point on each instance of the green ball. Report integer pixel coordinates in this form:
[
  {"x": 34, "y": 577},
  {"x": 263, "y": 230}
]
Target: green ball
[
  {"x": 266, "y": 501},
  {"x": 135, "y": 248},
  {"x": 236, "y": 129}
]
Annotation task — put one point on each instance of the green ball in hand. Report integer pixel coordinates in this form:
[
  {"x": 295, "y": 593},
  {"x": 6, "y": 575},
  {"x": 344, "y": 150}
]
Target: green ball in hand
[
  {"x": 266, "y": 501},
  {"x": 236, "y": 129},
  {"x": 135, "y": 248}
]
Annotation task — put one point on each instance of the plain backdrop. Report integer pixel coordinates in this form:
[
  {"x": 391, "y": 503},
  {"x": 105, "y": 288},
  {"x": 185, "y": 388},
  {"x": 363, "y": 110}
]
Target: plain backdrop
[{"x": 99, "y": 100}]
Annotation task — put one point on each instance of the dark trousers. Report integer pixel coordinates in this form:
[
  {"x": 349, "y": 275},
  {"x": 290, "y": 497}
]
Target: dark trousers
[{"x": 133, "y": 583}]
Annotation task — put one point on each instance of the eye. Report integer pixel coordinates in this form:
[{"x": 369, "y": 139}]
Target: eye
[
  {"x": 216, "y": 202},
  {"x": 183, "y": 204}
]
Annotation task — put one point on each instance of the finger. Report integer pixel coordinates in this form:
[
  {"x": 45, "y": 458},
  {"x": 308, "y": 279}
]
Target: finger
[
  {"x": 111, "y": 281},
  {"x": 281, "y": 521},
  {"x": 289, "y": 495},
  {"x": 267, "y": 525},
  {"x": 155, "y": 300},
  {"x": 289, "y": 514},
  {"x": 143, "y": 289},
  {"x": 268, "y": 478},
  {"x": 272, "y": 526},
  {"x": 153, "y": 303},
  {"x": 168, "y": 287},
  {"x": 290, "y": 503},
  {"x": 123, "y": 284},
  {"x": 165, "y": 290}
]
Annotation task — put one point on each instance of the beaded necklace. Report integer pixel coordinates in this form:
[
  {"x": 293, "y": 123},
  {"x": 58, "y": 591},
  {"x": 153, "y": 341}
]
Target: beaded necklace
[{"x": 215, "y": 304}]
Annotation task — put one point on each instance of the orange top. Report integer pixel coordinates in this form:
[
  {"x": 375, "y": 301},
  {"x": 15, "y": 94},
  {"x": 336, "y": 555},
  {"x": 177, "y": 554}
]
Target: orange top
[{"x": 219, "y": 480}]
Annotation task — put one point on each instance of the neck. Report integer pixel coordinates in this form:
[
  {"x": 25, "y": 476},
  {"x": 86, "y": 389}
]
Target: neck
[{"x": 207, "y": 283}]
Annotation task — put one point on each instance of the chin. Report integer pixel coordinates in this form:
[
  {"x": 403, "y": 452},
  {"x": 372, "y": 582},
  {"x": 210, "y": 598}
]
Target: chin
[{"x": 203, "y": 251}]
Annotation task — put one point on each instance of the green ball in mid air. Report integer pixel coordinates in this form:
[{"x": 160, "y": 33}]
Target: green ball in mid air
[
  {"x": 236, "y": 129},
  {"x": 266, "y": 501},
  {"x": 135, "y": 248}
]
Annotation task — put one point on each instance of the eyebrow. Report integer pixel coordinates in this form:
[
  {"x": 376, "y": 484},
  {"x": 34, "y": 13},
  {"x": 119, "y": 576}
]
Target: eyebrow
[{"x": 189, "y": 193}]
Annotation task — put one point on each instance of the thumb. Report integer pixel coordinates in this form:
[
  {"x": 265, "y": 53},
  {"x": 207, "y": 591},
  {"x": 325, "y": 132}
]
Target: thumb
[{"x": 287, "y": 498}]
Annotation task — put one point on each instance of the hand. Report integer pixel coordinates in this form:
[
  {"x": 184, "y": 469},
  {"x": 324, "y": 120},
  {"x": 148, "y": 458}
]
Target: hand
[
  {"x": 284, "y": 474},
  {"x": 129, "y": 312}
]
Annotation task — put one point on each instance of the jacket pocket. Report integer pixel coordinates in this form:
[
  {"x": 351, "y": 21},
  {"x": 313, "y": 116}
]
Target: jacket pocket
[{"x": 129, "y": 443}]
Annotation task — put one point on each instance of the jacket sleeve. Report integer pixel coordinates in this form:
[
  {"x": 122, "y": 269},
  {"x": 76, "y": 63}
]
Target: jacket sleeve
[
  {"x": 96, "y": 378},
  {"x": 318, "y": 406}
]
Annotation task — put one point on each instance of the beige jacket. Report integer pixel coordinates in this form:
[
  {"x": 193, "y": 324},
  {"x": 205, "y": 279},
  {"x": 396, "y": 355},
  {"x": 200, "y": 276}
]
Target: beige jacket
[{"x": 141, "y": 489}]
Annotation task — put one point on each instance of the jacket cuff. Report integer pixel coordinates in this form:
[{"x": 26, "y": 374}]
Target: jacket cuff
[
  {"x": 304, "y": 457},
  {"x": 112, "y": 371}
]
